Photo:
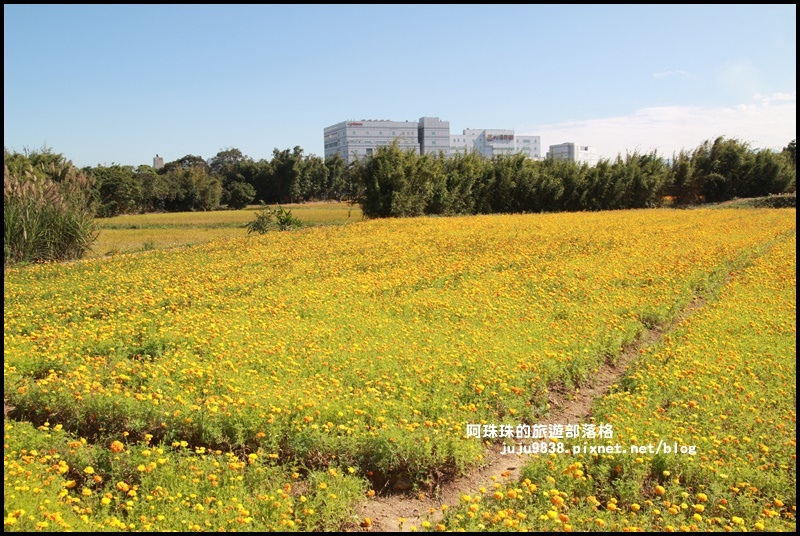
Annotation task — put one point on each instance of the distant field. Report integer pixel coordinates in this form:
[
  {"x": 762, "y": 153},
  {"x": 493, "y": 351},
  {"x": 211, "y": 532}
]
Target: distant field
[{"x": 138, "y": 232}]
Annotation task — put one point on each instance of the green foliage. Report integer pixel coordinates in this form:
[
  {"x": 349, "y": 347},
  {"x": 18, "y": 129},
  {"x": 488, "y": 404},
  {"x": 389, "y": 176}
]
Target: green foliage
[
  {"x": 771, "y": 201},
  {"x": 270, "y": 218},
  {"x": 288, "y": 180},
  {"x": 791, "y": 151},
  {"x": 240, "y": 194},
  {"x": 117, "y": 190},
  {"x": 188, "y": 162},
  {"x": 155, "y": 189},
  {"x": 47, "y": 215},
  {"x": 285, "y": 220},
  {"x": 193, "y": 189},
  {"x": 395, "y": 183},
  {"x": 727, "y": 169},
  {"x": 336, "y": 183},
  {"x": 226, "y": 163},
  {"x": 463, "y": 171}
]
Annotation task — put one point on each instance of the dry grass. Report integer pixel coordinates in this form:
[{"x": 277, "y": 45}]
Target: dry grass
[{"x": 137, "y": 232}]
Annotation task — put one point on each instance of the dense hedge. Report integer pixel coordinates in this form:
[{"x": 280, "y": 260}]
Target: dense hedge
[{"x": 401, "y": 183}]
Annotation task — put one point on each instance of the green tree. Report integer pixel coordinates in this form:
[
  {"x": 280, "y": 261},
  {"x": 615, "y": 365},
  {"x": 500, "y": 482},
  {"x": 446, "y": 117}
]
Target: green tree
[
  {"x": 391, "y": 187},
  {"x": 684, "y": 184},
  {"x": 288, "y": 180},
  {"x": 791, "y": 151},
  {"x": 463, "y": 171},
  {"x": 187, "y": 162},
  {"x": 262, "y": 178},
  {"x": 315, "y": 174},
  {"x": 155, "y": 189},
  {"x": 193, "y": 189},
  {"x": 769, "y": 173},
  {"x": 227, "y": 161},
  {"x": 336, "y": 181},
  {"x": 117, "y": 190},
  {"x": 240, "y": 194}
]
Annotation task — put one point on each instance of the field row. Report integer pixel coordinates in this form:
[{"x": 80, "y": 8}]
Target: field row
[{"x": 718, "y": 397}]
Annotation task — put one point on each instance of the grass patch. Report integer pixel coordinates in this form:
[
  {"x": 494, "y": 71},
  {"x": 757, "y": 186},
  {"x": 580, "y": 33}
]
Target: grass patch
[{"x": 143, "y": 232}]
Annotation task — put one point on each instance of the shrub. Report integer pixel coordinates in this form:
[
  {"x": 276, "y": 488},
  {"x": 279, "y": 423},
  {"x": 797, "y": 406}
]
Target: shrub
[
  {"x": 270, "y": 218},
  {"x": 776, "y": 201},
  {"x": 49, "y": 217}
]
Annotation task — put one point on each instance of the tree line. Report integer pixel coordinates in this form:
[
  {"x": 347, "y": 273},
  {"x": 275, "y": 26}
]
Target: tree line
[
  {"x": 401, "y": 183},
  {"x": 193, "y": 184},
  {"x": 397, "y": 183}
]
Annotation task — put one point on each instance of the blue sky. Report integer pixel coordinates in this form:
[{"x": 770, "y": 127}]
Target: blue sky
[{"x": 107, "y": 84}]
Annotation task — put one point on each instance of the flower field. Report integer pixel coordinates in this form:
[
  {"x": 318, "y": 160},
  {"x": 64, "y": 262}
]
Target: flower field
[
  {"x": 723, "y": 383},
  {"x": 271, "y": 382}
]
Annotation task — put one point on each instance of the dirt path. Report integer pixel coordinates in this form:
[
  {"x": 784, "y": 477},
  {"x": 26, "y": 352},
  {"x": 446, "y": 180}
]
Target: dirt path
[{"x": 385, "y": 512}]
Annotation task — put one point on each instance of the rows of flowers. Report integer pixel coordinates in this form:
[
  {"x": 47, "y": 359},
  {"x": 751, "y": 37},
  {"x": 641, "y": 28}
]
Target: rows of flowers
[
  {"x": 369, "y": 347},
  {"x": 718, "y": 395},
  {"x": 56, "y": 482}
]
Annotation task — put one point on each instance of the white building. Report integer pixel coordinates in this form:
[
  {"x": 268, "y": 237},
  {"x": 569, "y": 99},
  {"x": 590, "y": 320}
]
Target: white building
[
  {"x": 430, "y": 135},
  {"x": 434, "y": 135},
  {"x": 359, "y": 139},
  {"x": 158, "y": 162},
  {"x": 573, "y": 153},
  {"x": 490, "y": 143}
]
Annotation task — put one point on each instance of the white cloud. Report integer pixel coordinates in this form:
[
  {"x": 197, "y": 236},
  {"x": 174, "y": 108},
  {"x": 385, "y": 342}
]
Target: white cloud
[
  {"x": 664, "y": 74},
  {"x": 769, "y": 122},
  {"x": 777, "y": 97}
]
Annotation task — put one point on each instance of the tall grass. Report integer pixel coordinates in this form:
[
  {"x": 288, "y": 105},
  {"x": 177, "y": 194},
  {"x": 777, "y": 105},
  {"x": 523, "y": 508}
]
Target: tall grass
[{"x": 46, "y": 217}]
